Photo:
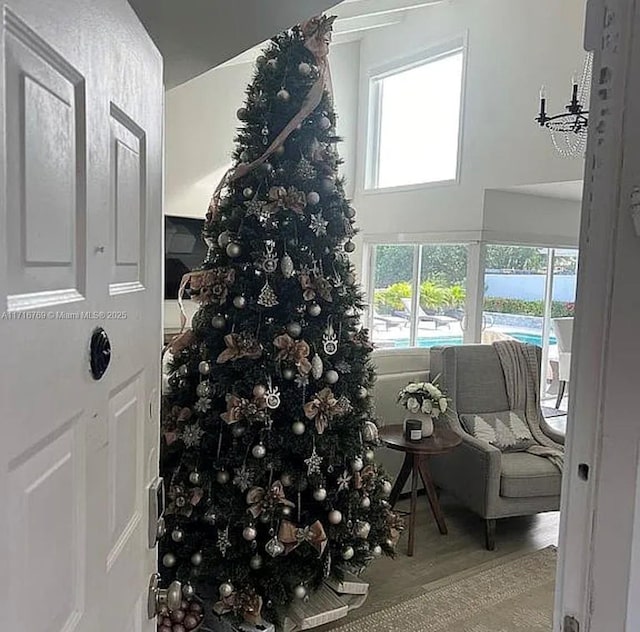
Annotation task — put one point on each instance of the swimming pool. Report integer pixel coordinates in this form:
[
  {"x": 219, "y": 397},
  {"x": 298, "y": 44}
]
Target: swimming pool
[{"x": 529, "y": 338}]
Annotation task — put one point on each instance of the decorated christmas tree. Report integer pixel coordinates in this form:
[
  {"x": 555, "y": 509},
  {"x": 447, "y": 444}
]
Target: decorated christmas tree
[{"x": 268, "y": 427}]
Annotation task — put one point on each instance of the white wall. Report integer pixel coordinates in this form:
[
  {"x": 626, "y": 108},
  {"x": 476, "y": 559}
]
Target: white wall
[
  {"x": 201, "y": 123},
  {"x": 514, "y": 46}
]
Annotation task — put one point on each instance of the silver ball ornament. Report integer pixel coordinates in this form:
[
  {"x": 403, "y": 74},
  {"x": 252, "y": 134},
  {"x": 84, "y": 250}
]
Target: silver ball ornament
[
  {"x": 313, "y": 309},
  {"x": 203, "y": 389},
  {"x": 286, "y": 511},
  {"x": 259, "y": 451},
  {"x": 239, "y": 302},
  {"x": 386, "y": 488},
  {"x": 320, "y": 494},
  {"x": 272, "y": 64},
  {"x": 350, "y": 278},
  {"x": 362, "y": 392},
  {"x": 350, "y": 212},
  {"x": 204, "y": 367},
  {"x": 177, "y": 535},
  {"x": 328, "y": 185},
  {"x": 188, "y": 591},
  {"x": 313, "y": 198},
  {"x": 335, "y": 517},
  {"x": 331, "y": 376},
  {"x": 298, "y": 427},
  {"x": 259, "y": 390},
  {"x": 183, "y": 370},
  {"x": 347, "y": 553},
  {"x": 249, "y": 533},
  {"x": 196, "y": 558},
  {"x": 324, "y": 123},
  {"x": 226, "y": 589},
  {"x": 255, "y": 563},
  {"x": 233, "y": 250},
  {"x": 218, "y": 321},
  {"x": 242, "y": 114},
  {"x": 288, "y": 373},
  {"x": 357, "y": 464},
  {"x": 369, "y": 455},
  {"x": 283, "y": 95},
  {"x": 222, "y": 477},
  {"x": 363, "y": 528},
  {"x": 247, "y": 192},
  {"x": 365, "y": 503},
  {"x": 304, "y": 69},
  {"x": 300, "y": 592},
  {"x": 224, "y": 238},
  {"x": 377, "y": 551},
  {"x": 349, "y": 247},
  {"x": 294, "y": 329},
  {"x": 195, "y": 478},
  {"x": 169, "y": 560}
]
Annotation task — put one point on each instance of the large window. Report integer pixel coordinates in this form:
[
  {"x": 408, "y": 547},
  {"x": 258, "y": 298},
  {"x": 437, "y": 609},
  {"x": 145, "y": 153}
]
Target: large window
[
  {"x": 416, "y": 122},
  {"x": 418, "y": 294}
]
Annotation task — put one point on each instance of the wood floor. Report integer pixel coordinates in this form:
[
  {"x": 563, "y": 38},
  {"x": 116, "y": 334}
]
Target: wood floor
[{"x": 437, "y": 556}]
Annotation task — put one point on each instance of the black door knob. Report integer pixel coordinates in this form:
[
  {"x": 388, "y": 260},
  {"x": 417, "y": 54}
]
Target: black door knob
[{"x": 100, "y": 352}]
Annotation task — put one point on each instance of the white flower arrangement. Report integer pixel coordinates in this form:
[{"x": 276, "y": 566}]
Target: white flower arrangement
[{"x": 424, "y": 397}]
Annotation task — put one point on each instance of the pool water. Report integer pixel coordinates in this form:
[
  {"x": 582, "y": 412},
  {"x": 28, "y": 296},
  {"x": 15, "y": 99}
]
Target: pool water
[{"x": 529, "y": 338}]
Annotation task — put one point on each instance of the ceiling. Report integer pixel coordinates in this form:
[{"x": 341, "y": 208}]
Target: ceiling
[
  {"x": 197, "y": 35},
  {"x": 569, "y": 190}
]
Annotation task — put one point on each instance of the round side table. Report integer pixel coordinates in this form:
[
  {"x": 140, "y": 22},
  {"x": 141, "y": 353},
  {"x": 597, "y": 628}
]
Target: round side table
[{"x": 416, "y": 463}]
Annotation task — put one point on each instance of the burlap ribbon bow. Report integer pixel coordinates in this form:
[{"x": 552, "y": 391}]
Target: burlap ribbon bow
[
  {"x": 315, "y": 286},
  {"x": 296, "y": 351},
  {"x": 292, "y": 199},
  {"x": 172, "y": 420},
  {"x": 365, "y": 479},
  {"x": 240, "y": 346},
  {"x": 259, "y": 499},
  {"x": 239, "y": 408},
  {"x": 248, "y": 605},
  {"x": 292, "y": 537},
  {"x": 324, "y": 407}
]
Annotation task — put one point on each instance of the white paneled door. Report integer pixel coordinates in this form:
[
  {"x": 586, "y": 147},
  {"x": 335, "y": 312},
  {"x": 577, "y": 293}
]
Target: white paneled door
[{"x": 81, "y": 107}]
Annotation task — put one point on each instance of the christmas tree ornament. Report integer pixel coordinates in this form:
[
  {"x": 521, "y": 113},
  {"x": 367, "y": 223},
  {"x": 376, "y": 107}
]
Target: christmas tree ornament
[
  {"x": 365, "y": 503},
  {"x": 188, "y": 591},
  {"x": 330, "y": 340},
  {"x": 204, "y": 389},
  {"x": 249, "y": 533},
  {"x": 362, "y": 392},
  {"x": 370, "y": 431},
  {"x": 169, "y": 560},
  {"x": 350, "y": 278},
  {"x": 247, "y": 192},
  {"x": 335, "y": 517},
  {"x": 320, "y": 494},
  {"x": 386, "y": 488},
  {"x": 318, "y": 224},
  {"x": 314, "y": 309},
  {"x": 327, "y": 185},
  {"x": 272, "y": 396},
  {"x": 244, "y": 156},
  {"x": 258, "y": 209},
  {"x": 304, "y": 69},
  {"x": 274, "y": 547},
  {"x": 369, "y": 455},
  {"x": 223, "y": 543},
  {"x": 267, "y": 297},
  {"x": 226, "y": 589},
  {"x": 259, "y": 451},
  {"x": 314, "y": 461},
  {"x": 286, "y": 479},
  {"x": 265, "y": 134},
  {"x": 222, "y": 477},
  {"x": 331, "y": 376},
  {"x": 288, "y": 373},
  {"x": 203, "y": 405},
  {"x": 210, "y": 516},
  {"x": 196, "y": 558},
  {"x": 286, "y": 511},
  {"x": 218, "y": 322},
  {"x": 298, "y": 428},
  {"x": 270, "y": 260},
  {"x": 191, "y": 435},
  {"x": 343, "y": 481},
  {"x": 259, "y": 391},
  {"x": 195, "y": 478},
  {"x": 350, "y": 312},
  {"x": 204, "y": 367},
  {"x": 183, "y": 370},
  {"x": 305, "y": 170},
  {"x": 233, "y": 250},
  {"x": 255, "y": 563},
  {"x": 294, "y": 329},
  {"x": 357, "y": 464},
  {"x": 324, "y": 123},
  {"x": 177, "y": 535},
  {"x": 238, "y": 429},
  {"x": 317, "y": 367},
  {"x": 300, "y": 592},
  {"x": 272, "y": 64},
  {"x": 376, "y": 551},
  {"x": 349, "y": 247},
  {"x": 243, "y": 478},
  {"x": 313, "y": 198},
  {"x": 283, "y": 95},
  {"x": 286, "y": 266},
  {"x": 350, "y": 212},
  {"x": 362, "y": 529},
  {"x": 347, "y": 553},
  {"x": 242, "y": 114},
  {"x": 239, "y": 302}
]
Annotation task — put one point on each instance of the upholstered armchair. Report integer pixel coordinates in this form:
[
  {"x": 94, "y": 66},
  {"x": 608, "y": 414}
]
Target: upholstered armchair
[{"x": 491, "y": 483}]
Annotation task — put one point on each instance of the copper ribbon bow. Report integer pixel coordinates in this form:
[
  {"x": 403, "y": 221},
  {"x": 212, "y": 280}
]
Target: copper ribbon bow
[
  {"x": 317, "y": 35},
  {"x": 292, "y": 199},
  {"x": 296, "y": 351},
  {"x": 365, "y": 478},
  {"x": 292, "y": 537},
  {"x": 240, "y": 346},
  {"x": 182, "y": 340},
  {"x": 239, "y": 408},
  {"x": 246, "y": 604},
  {"x": 259, "y": 499},
  {"x": 324, "y": 407},
  {"x": 172, "y": 420},
  {"x": 311, "y": 287}
]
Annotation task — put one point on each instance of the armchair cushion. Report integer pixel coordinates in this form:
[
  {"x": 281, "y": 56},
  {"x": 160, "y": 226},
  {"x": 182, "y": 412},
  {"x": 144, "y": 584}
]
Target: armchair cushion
[
  {"x": 507, "y": 431},
  {"x": 525, "y": 475}
]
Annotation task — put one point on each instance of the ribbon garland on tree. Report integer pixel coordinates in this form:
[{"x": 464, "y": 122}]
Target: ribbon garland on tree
[{"x": 292, "y": 537}]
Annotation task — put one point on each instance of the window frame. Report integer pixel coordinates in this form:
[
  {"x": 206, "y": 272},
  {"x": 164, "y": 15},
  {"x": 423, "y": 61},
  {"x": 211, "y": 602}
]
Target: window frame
[{"x": 374, "y": 114}]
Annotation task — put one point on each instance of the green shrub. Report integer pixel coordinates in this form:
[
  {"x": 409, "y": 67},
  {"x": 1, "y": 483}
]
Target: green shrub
[
  {"x": 433, "y": 296},
  {"x": 527, "y": 308}
]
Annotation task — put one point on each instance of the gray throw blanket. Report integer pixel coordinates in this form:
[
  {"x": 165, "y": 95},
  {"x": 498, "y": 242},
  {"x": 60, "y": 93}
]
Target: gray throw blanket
[{"x": 521, "y": 369}]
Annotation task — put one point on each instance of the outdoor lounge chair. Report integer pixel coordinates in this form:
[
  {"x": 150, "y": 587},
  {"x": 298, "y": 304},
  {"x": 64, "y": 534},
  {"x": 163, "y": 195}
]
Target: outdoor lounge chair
[{"x": 437, "y": 319}]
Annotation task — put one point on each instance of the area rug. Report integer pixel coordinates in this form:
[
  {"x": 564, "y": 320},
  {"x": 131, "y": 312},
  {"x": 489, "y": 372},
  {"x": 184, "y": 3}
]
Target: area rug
[{"x": 516, "y": 595}]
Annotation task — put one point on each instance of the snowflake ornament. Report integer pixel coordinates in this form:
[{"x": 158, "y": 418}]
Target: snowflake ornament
[
  {"x": 191, "y": 435},
  {"x": 318, "y": 224}
]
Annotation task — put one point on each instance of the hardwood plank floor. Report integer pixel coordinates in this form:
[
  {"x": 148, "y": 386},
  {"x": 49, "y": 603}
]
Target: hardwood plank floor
[{"x": 437, "y": 556}]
